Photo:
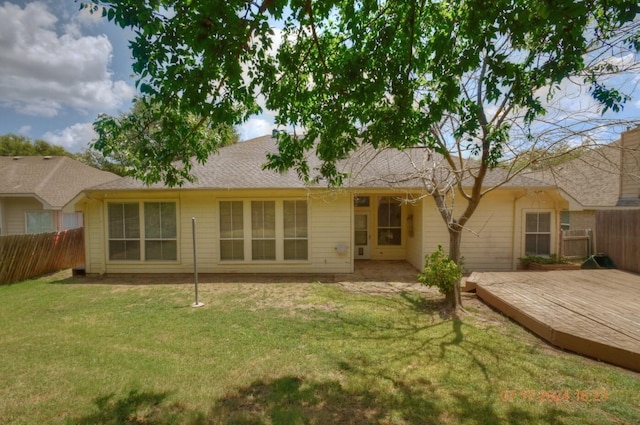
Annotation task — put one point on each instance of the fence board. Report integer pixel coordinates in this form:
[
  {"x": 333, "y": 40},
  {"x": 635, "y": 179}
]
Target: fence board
[
  {"x": 25, "y": 256},
  {"x": 618, "y": 236}
]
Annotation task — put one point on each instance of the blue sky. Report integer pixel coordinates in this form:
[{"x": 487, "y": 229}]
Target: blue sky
[{"x": 60, "y": 67}]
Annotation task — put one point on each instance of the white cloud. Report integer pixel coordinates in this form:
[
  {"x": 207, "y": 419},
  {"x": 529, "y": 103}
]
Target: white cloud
[
  {"x": 255, "y": 127},
  {"x": 25, "y": 130},
  {"x": 74, "y": 138},
  {"x": 42, "y": 72}
]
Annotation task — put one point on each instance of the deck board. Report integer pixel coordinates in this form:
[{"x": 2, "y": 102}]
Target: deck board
[{"x": 592, "y": 312}]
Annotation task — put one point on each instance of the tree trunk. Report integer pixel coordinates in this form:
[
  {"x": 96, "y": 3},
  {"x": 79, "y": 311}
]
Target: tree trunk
[{"x": 453, "y": 299}]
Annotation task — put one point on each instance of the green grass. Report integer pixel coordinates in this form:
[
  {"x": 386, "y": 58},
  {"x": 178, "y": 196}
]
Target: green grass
[{"x": 302, "y": 353}]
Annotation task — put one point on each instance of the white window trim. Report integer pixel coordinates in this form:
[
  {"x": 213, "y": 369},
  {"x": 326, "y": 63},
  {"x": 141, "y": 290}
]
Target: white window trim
[
  {"x": 247, "y": 234},
  {"x": 142, "y": 238}
]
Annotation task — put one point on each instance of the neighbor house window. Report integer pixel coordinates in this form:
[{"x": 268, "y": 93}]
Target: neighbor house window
[
  {"x": 295, "y": 230},
  {"x": 263, "y": 230},
  {"x": 231, "y": 230},
  {"x": 160, "y": 231},
  {"x": 538, "y": 234},
  {"x": 148, "y": 231},
  {"x": 389, "y": 221},
  {"x": 124, "y": 231},
  {"x": 71, "y": 220},
  {"x": 39, "y": 222}
]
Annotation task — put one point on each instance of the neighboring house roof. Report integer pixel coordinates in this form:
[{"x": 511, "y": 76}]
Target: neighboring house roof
[
  {"x": 592, "y": 179},
  {"x": 240, "y": 166},
  {"x": 54, "y": 180}
]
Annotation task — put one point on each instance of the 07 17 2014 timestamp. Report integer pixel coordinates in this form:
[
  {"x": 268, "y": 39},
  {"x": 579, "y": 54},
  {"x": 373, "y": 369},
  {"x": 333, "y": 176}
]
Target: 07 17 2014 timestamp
[{"x": 554, "y": 396}]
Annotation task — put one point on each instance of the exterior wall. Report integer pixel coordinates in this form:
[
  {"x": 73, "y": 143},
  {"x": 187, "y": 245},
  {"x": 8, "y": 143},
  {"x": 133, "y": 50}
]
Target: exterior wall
[
  {"x": 494, "y": 238},
  {"x": 330, "y": 219},
  {"x": 630, "y": 176}
]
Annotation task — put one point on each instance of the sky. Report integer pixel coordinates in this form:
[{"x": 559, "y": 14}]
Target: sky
[{"x": 60, "y": 67}]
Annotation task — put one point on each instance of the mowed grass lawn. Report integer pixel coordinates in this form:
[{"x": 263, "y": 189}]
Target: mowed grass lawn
[{"x": 79, "y": 351}]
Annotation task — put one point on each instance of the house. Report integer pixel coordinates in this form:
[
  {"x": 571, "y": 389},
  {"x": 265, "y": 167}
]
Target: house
[
  {"x": 34, "y": 189},
  {"x": 251, "y": 220}
]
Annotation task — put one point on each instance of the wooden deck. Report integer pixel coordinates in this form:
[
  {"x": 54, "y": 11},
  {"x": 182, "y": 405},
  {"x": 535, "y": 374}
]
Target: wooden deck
[{"x": 592, "y": 312}]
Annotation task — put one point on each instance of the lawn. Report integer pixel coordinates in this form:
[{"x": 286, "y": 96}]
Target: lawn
[{"x": 78, "y": 351}]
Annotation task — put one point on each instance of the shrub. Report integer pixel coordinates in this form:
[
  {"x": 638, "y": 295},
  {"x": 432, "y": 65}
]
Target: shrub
[{"x": 440, "y": 271}]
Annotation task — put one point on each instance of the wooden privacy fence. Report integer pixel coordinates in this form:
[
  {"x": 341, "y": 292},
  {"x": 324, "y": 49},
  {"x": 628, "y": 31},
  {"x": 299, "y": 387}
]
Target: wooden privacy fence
[
  {"x": 576, "y": 243},
  {"x": 25, "y": 256},
  {"x": 618, "y": 236}
]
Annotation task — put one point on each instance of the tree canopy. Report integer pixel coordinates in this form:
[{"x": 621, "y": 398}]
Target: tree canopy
[
  {"x": 15, "y": 145},
  {"x": 136, "y": 142}
]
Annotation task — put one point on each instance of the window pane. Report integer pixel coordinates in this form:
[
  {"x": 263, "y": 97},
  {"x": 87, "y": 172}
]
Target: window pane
[
  {"x": 152, "y": 220},
  {"x": 232, "y": 250},
  {"x": 231, "y": 220},
  {"x": 131, "y": 220},
  {"x": 116, "y": 220},
  {"x": 263, "y": 249},
  {"x": 389, "y": 236},
  {"x": 124, "y": 250},
  {"x": 544, "y": 245},
  {"x": 384, "y": 219},
  {"x": 295, "y": 219},
  {"x": 263, "y": 219},
  {"x": 537, "y": 244},
  {"x": 532, "y": 222},
  {"x": 295, "y": 249},
  {"x": 544, "y": 222},
  {"x": 161, "y": 250}
]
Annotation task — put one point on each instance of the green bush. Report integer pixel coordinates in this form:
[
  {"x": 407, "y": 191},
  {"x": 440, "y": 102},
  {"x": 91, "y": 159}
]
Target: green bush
[{"x": 440, "y": 271}]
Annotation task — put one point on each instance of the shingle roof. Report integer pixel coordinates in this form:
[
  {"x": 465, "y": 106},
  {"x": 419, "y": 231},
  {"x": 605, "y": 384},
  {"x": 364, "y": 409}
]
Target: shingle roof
[
  {"x": 53, "y": 179},
  {"x": 593, "y": 179},
  {"x": 240, "y": 166}
]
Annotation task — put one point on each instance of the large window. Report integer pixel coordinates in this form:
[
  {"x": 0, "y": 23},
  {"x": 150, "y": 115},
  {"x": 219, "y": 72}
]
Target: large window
[
  {"x": 538, "y": 234},
  {"x": 264, "y": 230},
  {"x": 389, "y": 221},
  {"x": 231, "y": 231},
  {"x": 39, "y": 222},
  {"x": 158, "y": 231},
  {"x": 295, "y": 230}
]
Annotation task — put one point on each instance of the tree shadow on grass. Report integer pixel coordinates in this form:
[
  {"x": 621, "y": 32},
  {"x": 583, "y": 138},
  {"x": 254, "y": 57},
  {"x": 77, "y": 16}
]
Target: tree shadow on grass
[
  {"x": 292, "y": 400},
  {"x": 138, "y": 408}
]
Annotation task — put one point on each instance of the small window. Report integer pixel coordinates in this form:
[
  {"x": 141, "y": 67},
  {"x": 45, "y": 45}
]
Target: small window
[
  {"x": 361, "y": 201},
  {"x": 538, "y": 234}
]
